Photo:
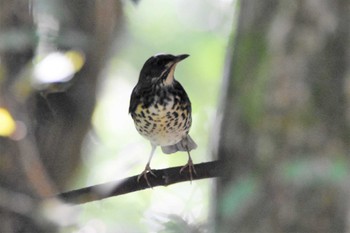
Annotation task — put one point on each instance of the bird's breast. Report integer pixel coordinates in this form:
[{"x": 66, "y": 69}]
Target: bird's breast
[{"x": 163, "y": 122}]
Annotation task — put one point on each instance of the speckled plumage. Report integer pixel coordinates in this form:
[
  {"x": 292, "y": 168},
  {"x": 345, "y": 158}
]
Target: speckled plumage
[
  {"x": 164, "y": 118},
  {"x": 161, "y": 109}
]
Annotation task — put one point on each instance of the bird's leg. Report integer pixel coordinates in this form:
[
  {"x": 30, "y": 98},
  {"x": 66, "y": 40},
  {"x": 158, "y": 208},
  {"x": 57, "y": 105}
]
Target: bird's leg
[
  {"x": 148, "y": 168},
  {"x": 190, "y": 165}
]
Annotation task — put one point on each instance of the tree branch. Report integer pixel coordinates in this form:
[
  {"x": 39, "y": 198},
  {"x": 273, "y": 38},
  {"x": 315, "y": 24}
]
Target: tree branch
[{"x": 164, "y": 177}]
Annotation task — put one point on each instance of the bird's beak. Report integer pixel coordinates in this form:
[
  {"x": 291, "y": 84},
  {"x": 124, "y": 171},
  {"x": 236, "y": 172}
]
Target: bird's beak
[
  {"x": 176, "y": 60},
  {"x": 171, "y": 68},
  {"x": 172, "y": 64},
  {"x": 181, "y": 57}
]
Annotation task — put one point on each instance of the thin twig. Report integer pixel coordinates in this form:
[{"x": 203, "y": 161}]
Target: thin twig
[{"x": 164, "y": 177}]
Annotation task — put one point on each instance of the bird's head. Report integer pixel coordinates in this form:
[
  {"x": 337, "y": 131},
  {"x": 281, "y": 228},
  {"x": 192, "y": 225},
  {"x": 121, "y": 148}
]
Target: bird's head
[{"x": 160, "y": 68}]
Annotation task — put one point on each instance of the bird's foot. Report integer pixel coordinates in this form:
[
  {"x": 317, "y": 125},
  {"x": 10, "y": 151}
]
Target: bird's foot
[
  {"x": 145, "y": 173},
  {"x": 190, "y": 167}
]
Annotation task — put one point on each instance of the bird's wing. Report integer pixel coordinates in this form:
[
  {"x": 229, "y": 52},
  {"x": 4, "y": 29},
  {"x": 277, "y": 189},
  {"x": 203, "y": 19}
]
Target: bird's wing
[{"x": 134, "y": 100}]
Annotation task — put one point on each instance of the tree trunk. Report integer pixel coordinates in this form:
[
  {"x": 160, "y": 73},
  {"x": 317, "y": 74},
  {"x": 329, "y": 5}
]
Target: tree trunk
[
  {"x": 284, "y": 119},
  {"x": 52, "y": 126}
]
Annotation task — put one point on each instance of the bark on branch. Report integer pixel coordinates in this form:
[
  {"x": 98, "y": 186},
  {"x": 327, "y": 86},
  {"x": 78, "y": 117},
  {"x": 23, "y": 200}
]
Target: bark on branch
[{"x": 164, "y": 177}]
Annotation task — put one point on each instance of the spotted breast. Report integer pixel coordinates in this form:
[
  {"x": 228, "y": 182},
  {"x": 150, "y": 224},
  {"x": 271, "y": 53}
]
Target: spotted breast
[{"x": 165, "y": 118}]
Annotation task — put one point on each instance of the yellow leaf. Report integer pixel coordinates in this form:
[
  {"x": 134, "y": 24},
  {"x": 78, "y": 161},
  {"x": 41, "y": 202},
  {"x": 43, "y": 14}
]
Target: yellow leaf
[
  {"x": 77, "y": 58},
  {"x": 7, "y": 124}
]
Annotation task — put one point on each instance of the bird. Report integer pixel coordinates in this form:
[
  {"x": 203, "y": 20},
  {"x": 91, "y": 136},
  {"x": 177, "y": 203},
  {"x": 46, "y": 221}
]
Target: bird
[{"x": 161, "y": 110}]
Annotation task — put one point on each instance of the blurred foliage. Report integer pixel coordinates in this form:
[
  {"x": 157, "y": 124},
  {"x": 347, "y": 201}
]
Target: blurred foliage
[
  {"x": 285, "y": 126},
  {"x": 239, "y": 195}
]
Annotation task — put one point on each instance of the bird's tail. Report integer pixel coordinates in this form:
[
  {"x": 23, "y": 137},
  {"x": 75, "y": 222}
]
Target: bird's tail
[{"x": 185, "y": 144}]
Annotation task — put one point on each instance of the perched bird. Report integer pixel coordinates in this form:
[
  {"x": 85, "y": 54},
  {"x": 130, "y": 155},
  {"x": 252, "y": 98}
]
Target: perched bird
[{"x": 161, "y": 109}]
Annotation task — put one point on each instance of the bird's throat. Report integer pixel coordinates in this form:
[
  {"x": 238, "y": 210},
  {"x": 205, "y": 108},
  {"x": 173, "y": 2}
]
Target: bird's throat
[{"x": 169, "y": 79}]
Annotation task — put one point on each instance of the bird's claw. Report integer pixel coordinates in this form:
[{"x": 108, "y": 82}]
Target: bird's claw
[
  {"x": 144, "y": 175},
  {"x": 191, "y": 169}
]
